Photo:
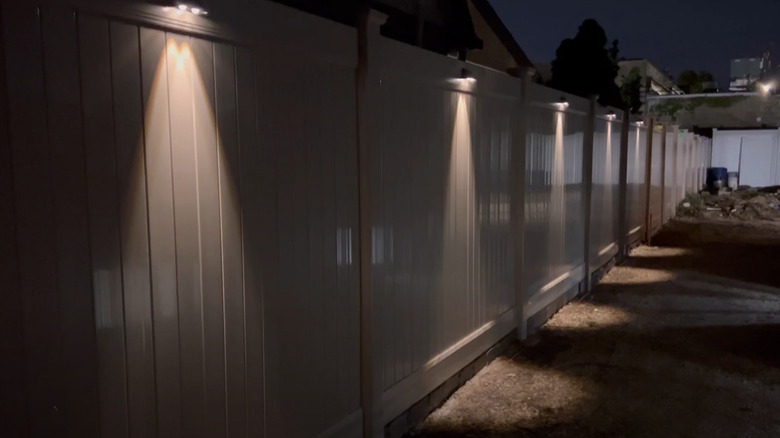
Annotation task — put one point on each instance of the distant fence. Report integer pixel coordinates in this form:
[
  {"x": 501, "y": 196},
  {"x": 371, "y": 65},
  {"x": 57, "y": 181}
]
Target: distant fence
[{"x": 240, "y": 228}]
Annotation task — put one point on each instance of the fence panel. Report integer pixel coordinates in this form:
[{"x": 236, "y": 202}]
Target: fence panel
[
  {"x": 443, "y": 260},
  {"x": 682, "y": 156},
  {"x": 554, "y": 211},
  {"x": 605, "y": 191},
  {"x": 310, "y": 124},
  {"x": 190, "y": 286},
  {"x": 691, "y": 174},
  {"x": 636, "y": 193},
  {"x": 656, "y": 180},
  {"x": 670, "y": 200}
]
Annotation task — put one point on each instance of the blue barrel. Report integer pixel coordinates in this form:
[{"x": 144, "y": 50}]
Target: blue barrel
[{"x": 717, "y": 177}]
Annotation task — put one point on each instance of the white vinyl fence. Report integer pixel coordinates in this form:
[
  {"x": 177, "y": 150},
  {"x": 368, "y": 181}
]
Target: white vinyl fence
[{"x": 246, "y": 227}]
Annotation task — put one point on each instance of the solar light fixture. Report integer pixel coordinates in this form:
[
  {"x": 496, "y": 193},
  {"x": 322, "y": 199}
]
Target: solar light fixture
[
  {"x": 181, "y": 7},
  {"x": 467, "y": 76}
]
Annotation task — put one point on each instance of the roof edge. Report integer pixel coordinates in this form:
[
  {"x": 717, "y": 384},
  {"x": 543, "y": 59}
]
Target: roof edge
[{"x": 489, "y": 14}]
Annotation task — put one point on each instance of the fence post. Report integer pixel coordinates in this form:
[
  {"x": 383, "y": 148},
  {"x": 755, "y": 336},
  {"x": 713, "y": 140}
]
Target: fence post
[
  {"x": 587, "y": 184},
  {"x": 368, "y": 101},
  {"x": 623, "y": 187},
  {"x": 517, "y": 192}
]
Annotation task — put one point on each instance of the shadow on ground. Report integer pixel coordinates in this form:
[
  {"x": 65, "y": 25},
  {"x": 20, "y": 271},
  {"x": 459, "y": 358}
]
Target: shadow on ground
[
  {"x": 733, "y": 250},
  {"x": 672, "y": 343}
]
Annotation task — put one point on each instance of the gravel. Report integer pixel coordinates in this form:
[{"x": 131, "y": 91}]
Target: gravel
[{"x": 682, "y": 340}]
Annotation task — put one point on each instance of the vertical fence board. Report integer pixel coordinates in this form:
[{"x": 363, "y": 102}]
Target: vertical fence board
[
  {"x": 256, "y": 172},
  {"x": 61, "y": 70},
  {"x": 100, "y": 149},
  {"x": 332, "y": 296},
  {"x": 36, "y": 236},
  {"x": 162, "y": 243},
  {"x": 314, "y": 150},
  {"x": 285, "y": 338},
  {"x": 188, "y": 242},
  {"x": 13, "y": 402},
  {"x": 232, "y": 258},
  {"x": 210, "y": 235},
  {"x": 128, "y": 127}
]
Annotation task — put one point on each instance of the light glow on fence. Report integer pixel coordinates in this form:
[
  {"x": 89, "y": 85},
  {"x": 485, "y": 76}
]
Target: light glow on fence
[
  {"x": 558, "y": 193},
  {"x": 460, "y": 232},
  {"x": 179, "y": 122}
]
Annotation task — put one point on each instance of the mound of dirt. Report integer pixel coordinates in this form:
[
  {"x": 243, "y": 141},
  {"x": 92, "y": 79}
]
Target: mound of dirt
[{"x": 741, "y": 205}]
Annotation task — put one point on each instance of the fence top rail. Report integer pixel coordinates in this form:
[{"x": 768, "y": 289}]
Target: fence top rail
[{"x": 545, "y": 97}]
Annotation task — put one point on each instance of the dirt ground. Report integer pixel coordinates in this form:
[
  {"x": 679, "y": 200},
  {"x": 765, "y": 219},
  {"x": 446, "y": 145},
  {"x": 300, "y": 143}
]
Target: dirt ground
[{"x": 682, "y": 340}]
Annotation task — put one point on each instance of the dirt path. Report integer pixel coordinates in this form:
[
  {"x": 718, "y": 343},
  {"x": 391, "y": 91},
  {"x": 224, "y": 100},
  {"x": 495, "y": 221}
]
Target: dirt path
[{"x": 674, "y": 343}]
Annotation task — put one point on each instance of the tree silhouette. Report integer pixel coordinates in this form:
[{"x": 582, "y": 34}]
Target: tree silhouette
[
  {"x": 631, "y": 90},
  {"x": 584, "y": 66},
  {"x": 692, "y": 82}
]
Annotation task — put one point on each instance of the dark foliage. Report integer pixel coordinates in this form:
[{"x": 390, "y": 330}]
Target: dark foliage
[
  {"x": 692, "y": 82},
  {"x": 631, "y": 90}
]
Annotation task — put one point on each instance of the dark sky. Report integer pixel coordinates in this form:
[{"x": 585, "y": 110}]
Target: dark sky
[{"x": 678, "y": 34}]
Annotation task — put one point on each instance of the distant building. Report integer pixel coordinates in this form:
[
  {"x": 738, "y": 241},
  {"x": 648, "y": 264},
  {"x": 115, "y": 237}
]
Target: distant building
[
  {"x": 653, "y": 80},
  {"x": 747, "y": 71}
]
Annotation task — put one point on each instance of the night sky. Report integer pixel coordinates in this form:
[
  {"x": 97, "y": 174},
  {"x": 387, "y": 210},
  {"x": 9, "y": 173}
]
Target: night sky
[{"x": 677, "y": 34}]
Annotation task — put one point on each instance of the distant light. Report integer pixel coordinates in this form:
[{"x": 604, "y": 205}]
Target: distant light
[
  {"x": 182, "y": 7},
  {"x": 195, "y": 11},
  {"x": 640, "y": 123},
  {"x": 611, "y": 115},
  {"x": 768, "y": 87},
  {"x": 562, "y": 103}
]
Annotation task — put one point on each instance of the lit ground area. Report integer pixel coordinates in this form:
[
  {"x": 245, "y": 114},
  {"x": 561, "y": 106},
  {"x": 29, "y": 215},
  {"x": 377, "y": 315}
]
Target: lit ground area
[{"x": 683, "y": 340}]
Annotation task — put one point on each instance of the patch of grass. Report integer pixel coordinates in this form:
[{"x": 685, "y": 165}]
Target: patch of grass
[{"x": 671, "y": 107}]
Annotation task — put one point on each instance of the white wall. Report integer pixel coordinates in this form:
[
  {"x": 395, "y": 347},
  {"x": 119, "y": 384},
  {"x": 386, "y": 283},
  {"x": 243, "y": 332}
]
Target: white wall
[{"x": 753, "y": 153}]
